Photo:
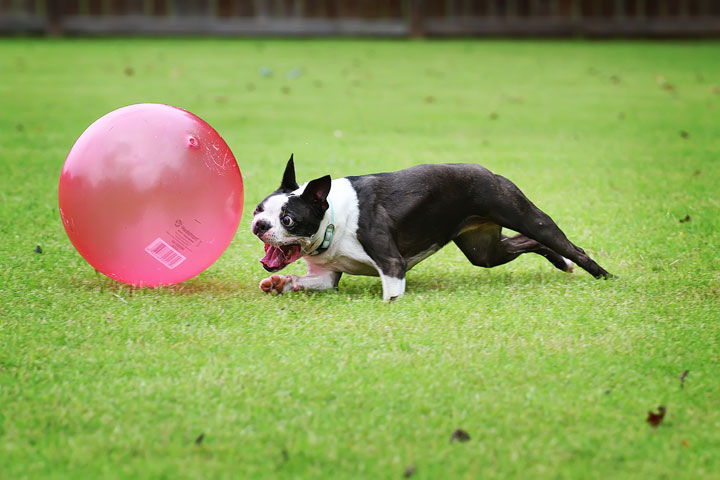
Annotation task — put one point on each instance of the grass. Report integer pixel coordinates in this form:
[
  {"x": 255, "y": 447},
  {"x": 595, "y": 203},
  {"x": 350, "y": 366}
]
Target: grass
[{"x": 551, "y": 375}]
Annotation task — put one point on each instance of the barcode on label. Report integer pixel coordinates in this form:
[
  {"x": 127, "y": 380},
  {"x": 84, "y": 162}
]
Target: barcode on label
[{"x": 164, "y": 253}]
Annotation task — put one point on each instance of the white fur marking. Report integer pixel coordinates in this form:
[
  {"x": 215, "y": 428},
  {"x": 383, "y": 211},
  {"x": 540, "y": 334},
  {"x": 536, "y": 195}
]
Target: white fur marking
[
  {"x": 271, "y": 214},
  {"x": 392, "y": 287},
  {"x": 345, "y": 253}
]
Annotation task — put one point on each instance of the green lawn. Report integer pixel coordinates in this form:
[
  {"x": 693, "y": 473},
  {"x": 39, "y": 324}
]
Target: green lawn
[{"x": 551, "y": 375}]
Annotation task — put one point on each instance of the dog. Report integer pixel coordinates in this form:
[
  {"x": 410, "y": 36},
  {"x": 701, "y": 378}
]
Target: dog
[{"x": 384, "y": 224}]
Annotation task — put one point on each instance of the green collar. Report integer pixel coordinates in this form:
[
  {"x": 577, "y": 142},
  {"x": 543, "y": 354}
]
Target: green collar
[{"x": 329, "y": 231}]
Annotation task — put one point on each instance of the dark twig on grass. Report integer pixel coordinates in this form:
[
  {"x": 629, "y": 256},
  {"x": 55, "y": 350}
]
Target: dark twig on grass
[
  {"x": 100, "y": 280},
  {"x": 682, "y": 378}
]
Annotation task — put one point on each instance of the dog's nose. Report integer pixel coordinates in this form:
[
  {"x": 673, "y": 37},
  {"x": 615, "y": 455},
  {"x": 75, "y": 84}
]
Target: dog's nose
[{"x": 261, "y": 227}]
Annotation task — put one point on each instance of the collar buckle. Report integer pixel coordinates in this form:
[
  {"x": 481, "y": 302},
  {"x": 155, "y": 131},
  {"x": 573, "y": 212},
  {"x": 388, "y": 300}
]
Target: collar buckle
[{"x": 327, "y": 239}]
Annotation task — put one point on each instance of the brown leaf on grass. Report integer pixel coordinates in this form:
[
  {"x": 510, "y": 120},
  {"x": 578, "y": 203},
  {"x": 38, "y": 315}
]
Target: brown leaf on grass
[
  {"x": 715, "y": 89},
  {"x": 682, "y": 378},
  {"x": 686, "y": 219},
  {"x": 460, "y": 435},
  {"x": 697, "y": 173},
  {"x": 684, "y": 134},
  {"x": 654, "y": 419},
  {"x": 409, "y": 471},
  {"x": 429, "y": 99},
  {"x": 200, "y": 438},
  {"x": 664, "y": 84},
  {"x": 129, "y": 71}
]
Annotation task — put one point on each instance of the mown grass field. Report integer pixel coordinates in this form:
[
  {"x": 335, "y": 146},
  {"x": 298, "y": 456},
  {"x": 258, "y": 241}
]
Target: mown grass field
[{"x": 551, "y": 375}]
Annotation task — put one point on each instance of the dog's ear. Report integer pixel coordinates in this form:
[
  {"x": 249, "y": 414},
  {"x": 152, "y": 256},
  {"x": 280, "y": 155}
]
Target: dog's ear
[
  {"x": 289, "y": 183},
  {"x": 316, "y": 192}
]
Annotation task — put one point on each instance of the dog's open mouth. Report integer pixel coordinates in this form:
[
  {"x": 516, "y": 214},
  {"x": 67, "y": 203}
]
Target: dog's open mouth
[{"x": 277, "y": 258}]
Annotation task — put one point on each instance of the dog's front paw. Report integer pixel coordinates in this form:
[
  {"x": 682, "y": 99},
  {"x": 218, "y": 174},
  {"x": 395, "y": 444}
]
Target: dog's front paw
[{"x": 275, "y": 283}]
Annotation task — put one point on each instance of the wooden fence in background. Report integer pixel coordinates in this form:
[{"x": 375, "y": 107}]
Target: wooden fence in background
[{"x": 389, "y": 18}]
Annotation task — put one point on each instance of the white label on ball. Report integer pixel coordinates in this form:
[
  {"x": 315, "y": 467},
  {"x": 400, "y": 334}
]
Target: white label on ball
[{"x": 164, "y": 253}]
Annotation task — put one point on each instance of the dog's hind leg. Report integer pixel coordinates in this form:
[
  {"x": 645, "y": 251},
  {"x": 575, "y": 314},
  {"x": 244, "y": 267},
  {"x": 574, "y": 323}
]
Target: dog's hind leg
[
  {"x": 521, "y": 244},
  {"x": 485, "y": 246},
  {"x": 542, "y": 229},
  {"x": 520, "y": 214}
]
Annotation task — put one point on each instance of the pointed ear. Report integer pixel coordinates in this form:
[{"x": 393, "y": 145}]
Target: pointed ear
[
  {"x": 288, "y": 182},
  {"x": 316, "y": 192}
]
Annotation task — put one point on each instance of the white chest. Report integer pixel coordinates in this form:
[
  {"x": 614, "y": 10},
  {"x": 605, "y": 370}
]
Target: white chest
[{"x": 345, "y": 254}]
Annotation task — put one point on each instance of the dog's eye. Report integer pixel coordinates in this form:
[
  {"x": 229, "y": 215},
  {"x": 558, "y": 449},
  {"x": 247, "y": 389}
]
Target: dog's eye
[
  {"x": 287, "y": 221},
  {"x": 259, "y": 209}
]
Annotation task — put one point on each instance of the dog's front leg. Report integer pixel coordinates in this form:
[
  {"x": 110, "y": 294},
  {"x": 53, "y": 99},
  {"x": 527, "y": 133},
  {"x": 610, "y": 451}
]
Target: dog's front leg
[
  {"x": 316, "y": 279},
  {"x": 389, "y": 263}
]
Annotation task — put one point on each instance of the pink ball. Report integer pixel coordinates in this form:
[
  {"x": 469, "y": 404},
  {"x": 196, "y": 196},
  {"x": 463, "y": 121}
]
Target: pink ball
[{"x": 150, "y": 195}]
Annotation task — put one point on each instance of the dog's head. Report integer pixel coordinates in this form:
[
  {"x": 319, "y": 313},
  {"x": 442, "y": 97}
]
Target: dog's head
[{"x": 288, "y": 220}]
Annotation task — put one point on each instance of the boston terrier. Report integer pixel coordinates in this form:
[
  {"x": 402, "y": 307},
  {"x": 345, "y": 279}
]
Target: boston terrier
[{"x": 386, "y": 223}]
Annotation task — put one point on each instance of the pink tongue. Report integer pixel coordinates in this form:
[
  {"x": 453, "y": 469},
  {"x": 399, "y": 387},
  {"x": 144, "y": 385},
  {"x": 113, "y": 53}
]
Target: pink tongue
[{"x": 277, "y": 258}]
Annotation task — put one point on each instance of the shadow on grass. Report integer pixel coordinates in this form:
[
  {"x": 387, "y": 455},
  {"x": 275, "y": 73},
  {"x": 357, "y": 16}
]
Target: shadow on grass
[
  {"x": 425, "y": 282},
  {"x": 194, "y": 286}
]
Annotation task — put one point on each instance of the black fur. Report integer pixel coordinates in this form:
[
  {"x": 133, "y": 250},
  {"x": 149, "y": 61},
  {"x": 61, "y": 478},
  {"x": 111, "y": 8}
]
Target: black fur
[
  {"x": 405, "y": 213},
  {"x": 306, "y": 215},
  {"x": 289, "y": 184}
]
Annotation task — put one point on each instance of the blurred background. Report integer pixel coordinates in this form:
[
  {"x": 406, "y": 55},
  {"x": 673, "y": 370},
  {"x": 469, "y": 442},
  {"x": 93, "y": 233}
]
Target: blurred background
[{"x": 384, "y": 18}]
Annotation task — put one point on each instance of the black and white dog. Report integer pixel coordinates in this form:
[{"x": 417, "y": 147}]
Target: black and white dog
[{"x": 386, "y": 223}]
